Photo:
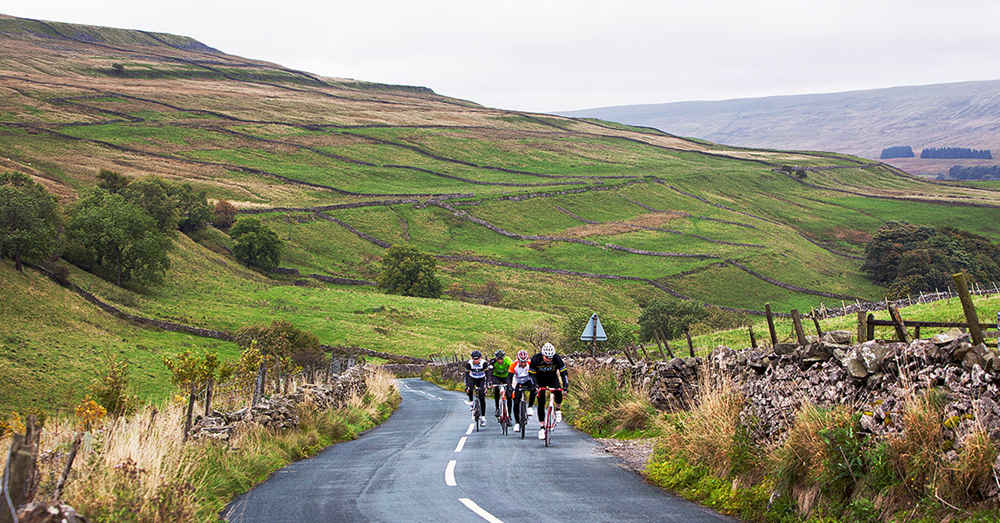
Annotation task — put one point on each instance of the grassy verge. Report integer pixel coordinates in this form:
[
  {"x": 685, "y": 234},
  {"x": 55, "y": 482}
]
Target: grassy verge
[
  {"x": 436, "y": 376},
  {"x": 136, "y": 468}
]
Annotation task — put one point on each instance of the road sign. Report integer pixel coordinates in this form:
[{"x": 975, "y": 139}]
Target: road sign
[{"x": 594, "y": 330}]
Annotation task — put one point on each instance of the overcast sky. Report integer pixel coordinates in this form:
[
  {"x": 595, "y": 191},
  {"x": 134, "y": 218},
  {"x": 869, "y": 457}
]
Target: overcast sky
[{"x": 545, "y": 56}]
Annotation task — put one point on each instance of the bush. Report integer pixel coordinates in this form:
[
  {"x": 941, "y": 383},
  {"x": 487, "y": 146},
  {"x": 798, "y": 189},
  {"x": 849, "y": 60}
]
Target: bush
[
  {"x": 113, "y": 390},
  {"x": 193, "y": 210},
  {"x": 224, "y": 215},
  {"x": 669, "y": 318},
  {"x": 409, "y": 272},
  {"x": 255, "y": 244},
  {"x": 154, "y": 196}
]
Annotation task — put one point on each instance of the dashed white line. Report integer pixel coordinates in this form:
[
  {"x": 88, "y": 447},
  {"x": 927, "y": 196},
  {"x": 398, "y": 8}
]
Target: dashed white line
[
  {"x": 471, "y": 505},
  {"x": 449, "y": 474},
  {"x": 469, "y": 430},
  {"x": 461, "y": 443}
]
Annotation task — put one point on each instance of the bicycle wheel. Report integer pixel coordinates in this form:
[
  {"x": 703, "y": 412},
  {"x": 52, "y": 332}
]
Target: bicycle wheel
[
  {"x": 523, "y": 418},
  {"x": 548, "y": 425},
  {"x": 478, "y": 413},
  {"x": 504, "y": 415}
]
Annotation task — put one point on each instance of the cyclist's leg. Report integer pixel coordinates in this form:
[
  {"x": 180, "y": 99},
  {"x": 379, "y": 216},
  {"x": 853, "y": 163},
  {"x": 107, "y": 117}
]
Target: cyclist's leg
[
  {"x": 557, "y": 395},
  {"x": 468, "y": 387},
  {"x": 510, "y": 398},
  {"x": 496, "y": 400},
  {"x": 541, "y": 407},
  {"x": 531, "y": 397},
  {"x": 482, "y": 395}
]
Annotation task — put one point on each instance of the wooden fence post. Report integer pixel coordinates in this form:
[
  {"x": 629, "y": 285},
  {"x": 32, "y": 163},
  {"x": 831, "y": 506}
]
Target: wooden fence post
[
  {"x": 770, "y": 324},
  {"x": 870, "y": 324},
  {"x": 819, "y": 331},
  {"x": 862, "y": 326},
  {"x": 753, "y": 339},
  {"x": 962, "y": 284},
  {"x": 797, "y": 321},
  {"x": 897, "y": 322},
  {"x": 687, "y": 334}
]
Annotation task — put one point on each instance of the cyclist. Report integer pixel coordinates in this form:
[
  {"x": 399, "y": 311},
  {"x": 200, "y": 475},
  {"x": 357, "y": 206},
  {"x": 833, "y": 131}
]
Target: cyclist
[
  {"x": 501, "y": 375},
  {"x": 546, "y": 368},
  {"x": 475, "y": 376},
  {"x": 522, "y": 382}
]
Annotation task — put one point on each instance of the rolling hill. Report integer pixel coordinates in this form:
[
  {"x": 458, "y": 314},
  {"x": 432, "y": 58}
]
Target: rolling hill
[
  {"x": 964, "y": 114},
  {"x": 558, "y": 213}
]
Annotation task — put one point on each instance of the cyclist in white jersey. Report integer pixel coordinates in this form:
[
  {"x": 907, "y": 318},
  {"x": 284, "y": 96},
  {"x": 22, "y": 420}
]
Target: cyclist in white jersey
[
  {"x": 475, "y": 375},
  {"x": 522, "y": 381}
]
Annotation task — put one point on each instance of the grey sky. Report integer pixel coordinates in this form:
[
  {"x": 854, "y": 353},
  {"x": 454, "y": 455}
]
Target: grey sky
[{"x": 559, "y": 55}]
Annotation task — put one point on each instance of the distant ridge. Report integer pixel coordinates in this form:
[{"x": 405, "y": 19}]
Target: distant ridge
[
  {"x": 10, "y": 25},
  {"x": 964, "y": 114}
]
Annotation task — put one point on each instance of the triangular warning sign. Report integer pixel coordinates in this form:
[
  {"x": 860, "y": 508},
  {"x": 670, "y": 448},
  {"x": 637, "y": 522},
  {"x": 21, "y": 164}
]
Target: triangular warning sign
[{"x": 594, "y": 330}]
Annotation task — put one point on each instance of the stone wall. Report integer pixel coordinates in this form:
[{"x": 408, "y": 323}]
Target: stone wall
[
  {"x": 282, "y": 412},
  {"x": 875, "y": 377}
]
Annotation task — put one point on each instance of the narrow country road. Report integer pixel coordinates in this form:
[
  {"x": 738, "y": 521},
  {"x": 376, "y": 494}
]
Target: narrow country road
[{"x": 424, "y": 464}]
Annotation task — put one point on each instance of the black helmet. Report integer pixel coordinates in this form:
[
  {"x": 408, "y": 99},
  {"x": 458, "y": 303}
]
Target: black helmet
[
  {"x": 476, "y": 354},
  {"x": 499, "y": 354}
]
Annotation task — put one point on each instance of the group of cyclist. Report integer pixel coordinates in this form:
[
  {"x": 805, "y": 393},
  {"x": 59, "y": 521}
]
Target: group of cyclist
[{"x": 525, "y": 375}]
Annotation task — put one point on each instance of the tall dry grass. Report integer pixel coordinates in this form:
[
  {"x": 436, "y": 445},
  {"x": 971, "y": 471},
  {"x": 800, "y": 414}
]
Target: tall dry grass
[
  {"x": 137, "y": 467},
  {"x": 710, "y": 433},
  {"x": 602, "y": 405}
]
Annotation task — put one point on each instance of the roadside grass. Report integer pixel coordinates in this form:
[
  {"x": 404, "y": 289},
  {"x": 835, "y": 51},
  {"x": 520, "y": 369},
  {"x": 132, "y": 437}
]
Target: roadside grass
[{"x": 137, "y": 468}]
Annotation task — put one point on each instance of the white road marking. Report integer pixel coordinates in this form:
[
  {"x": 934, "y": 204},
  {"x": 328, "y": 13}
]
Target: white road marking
[
  {"x": 422, "y": 393},
  {"x": 449, "y": 474},
  {"x": 461, "y": 443},
  {"x": 471, "y": 505},
  {"x": 471, "y": 427}
]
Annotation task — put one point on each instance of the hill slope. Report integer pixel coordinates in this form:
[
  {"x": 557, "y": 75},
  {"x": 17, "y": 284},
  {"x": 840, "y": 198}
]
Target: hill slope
[
  {"x": 559, "y": 214},
  {"x": 857, "y": 122}
]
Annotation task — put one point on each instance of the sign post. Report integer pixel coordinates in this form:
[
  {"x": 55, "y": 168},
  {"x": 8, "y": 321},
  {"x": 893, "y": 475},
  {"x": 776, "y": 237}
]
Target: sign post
[{"x": 594, "y": 332}]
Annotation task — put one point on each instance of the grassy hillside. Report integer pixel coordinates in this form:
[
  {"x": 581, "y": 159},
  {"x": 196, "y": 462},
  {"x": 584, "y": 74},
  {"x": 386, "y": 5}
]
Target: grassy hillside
[{"x": 560, "y": 214}]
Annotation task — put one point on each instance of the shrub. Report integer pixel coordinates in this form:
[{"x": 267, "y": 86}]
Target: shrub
[
  {"x": 409, "y": 272},
  {"x": 154, "y": 196},
  {"x": 112, "y": 182},
  {"x": 113, "y": 390},
  {"x": 223, "y": 215},
  {"x": 255, "y": 244},
  {"x": 193, "y": 210}
]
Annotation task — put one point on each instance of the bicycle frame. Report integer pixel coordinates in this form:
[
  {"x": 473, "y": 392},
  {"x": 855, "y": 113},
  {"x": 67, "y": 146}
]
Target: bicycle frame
[
  {"x": 550, "y": 419},
  {"x": 504, "y": 413},
  {"x": 480, "y": 409}
]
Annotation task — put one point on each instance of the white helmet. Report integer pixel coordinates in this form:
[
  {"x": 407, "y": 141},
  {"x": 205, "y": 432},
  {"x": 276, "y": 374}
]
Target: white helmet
[{"x": 548, "y": 350}]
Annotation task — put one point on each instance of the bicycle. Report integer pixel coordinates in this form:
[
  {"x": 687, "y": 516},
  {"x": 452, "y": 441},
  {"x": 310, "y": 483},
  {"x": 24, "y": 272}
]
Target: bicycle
[
  {"x": 504, "y": 417},
  {"x": 550, "y": 418},
  {"x": 521, "y": 409},
  {"x": 478, "y": 410}
]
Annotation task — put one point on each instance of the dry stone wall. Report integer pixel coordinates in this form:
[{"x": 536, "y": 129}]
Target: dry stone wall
[{"x": 874, "y": 377}]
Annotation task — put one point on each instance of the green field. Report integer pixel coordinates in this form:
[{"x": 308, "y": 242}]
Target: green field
[{"x": 579, "y": 214}]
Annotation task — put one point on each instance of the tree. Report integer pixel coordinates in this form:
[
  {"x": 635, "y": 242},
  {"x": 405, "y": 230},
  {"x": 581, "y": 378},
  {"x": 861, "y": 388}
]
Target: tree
[
  {"x": 116, "y": 239},
  {"x": 255, "y": 244},
  {"x": 282, "y": 345},
  {"x": 155, "y": 197},
  {"x": 193, "y": 210},
  {"x": 112, "y": 181},
  {"x": 224, "y": 215},
  {"x": 113, "y": 390},
  {"x": 189, "y": 373},
  {"x": 30, "y": 225},
  {"x": 620, "y": 334},
  {"x": 665, "y": 319},
  {"x": 409, "y": 272}
]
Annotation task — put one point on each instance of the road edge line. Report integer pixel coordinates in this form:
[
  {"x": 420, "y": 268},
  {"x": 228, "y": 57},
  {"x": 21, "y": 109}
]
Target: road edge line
[
  {"x": 449, "y": 474},
  {"x": 461, "y": 443},
  {"x": 471, "y": 505}
]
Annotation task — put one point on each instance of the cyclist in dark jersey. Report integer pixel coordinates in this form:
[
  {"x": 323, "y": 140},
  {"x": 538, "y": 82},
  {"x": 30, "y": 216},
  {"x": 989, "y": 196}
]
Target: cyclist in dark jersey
[
  {"x": 546, "y": 369},
  {"x": 475, "y": 375}
]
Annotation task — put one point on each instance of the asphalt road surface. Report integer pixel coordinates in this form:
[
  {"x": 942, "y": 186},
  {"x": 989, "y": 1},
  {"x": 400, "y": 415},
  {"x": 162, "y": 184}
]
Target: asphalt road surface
[{"x": 424, "y": 464}]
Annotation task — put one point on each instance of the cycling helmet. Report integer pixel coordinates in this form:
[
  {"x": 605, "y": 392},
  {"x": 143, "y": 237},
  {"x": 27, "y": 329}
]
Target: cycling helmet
[
  {"x": 548, "y": 350},
  {"x": 522, "y": 355},
  {"x": 476, "y": 354},
  {"x": 499, "y": 354}
]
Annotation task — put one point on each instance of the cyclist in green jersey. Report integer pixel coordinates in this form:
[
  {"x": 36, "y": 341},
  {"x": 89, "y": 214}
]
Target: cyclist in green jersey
[{"x": 501, "y": 375}]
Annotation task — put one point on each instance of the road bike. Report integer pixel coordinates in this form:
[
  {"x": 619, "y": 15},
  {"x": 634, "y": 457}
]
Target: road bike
[
  {"x": 550, "y": 419},
  {"x": 478, "y": 410},
  {"x": 521, "y": 409},
  {"x": 504, "y": 417}
]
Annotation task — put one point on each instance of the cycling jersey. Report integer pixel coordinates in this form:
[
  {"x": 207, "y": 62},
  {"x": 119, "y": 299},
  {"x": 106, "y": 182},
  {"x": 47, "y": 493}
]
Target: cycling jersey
[
  {"x": 520, "y": 372},
  {"x": 501, "y": 369},
  {"x": 548, "y": 374},
  {"x": 476, "y": 370}
]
